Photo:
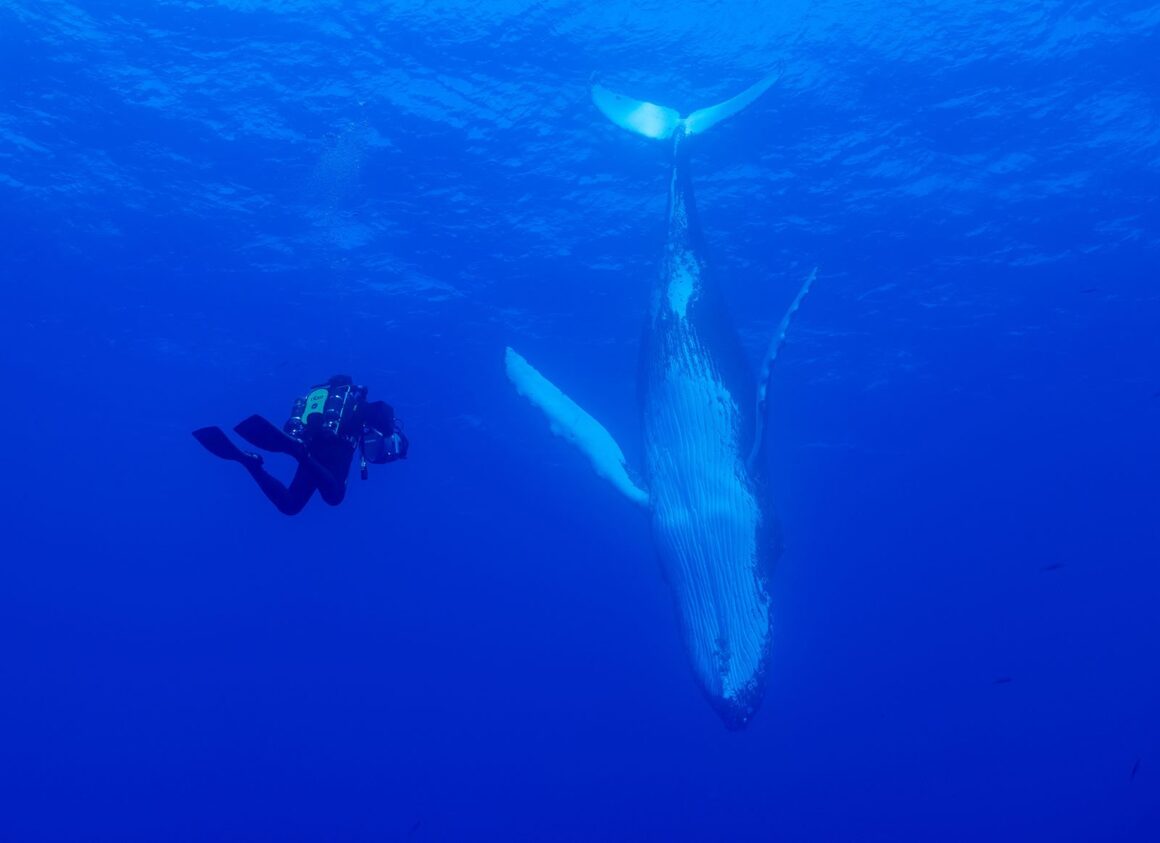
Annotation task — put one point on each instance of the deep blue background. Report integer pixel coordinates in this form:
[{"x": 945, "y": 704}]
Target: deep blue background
[{"x": 207, "y": 206}]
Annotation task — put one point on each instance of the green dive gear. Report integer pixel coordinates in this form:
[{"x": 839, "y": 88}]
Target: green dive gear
[
  {"x": 330, "y": 407},
  {"x": 315, "y": 403}
]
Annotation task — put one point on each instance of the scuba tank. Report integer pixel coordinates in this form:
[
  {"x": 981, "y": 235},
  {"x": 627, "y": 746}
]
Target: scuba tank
[
  {"x": 332, "y": 408},
  {"x": 308, "y": 405}
]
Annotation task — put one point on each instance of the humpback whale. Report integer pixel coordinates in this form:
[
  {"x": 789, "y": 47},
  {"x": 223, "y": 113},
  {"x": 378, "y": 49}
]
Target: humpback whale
[{"x": 702, "y": 421}]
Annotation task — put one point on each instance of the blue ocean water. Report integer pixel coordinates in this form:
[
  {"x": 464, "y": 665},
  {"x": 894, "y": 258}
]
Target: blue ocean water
[{"x": 206, "y": 207}]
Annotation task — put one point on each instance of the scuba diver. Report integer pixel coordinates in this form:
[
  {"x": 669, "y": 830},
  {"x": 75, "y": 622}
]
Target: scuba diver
[{"x": 323, "y": 432}]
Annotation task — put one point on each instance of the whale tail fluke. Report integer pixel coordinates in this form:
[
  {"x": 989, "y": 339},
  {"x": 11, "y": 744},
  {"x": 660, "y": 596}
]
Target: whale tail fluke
[
  {"x": 644, "y": 118},
  {"x": 661, "y": 122}
]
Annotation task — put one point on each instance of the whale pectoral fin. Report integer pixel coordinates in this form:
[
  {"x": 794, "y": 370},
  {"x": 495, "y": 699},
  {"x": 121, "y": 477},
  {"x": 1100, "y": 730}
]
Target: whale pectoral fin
[
  {"x": 568, "y": 420},
  {"x": 775, "y": 345}
]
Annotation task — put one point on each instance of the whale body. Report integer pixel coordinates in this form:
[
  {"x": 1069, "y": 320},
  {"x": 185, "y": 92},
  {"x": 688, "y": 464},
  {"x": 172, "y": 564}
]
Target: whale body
[{"x": 702, "y": 422}]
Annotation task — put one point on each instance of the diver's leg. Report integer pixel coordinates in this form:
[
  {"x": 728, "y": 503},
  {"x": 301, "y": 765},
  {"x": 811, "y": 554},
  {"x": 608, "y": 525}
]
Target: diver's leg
[
  {"x": 328, "y": 460},
  {"x": 334, "y": 493},
  {"x": 289, "y": 501},
  {"x": 331, "y": 486}
]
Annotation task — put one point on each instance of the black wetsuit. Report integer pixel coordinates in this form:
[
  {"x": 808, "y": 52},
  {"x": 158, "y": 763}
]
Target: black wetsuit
[{"x": 326, "y": 428}]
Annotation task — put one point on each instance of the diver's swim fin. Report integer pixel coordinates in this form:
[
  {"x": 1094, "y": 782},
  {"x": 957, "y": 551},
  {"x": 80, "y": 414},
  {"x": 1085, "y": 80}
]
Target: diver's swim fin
[
  {"x": 214, "y": 440},
  {"x": 258, "y": 431}
]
